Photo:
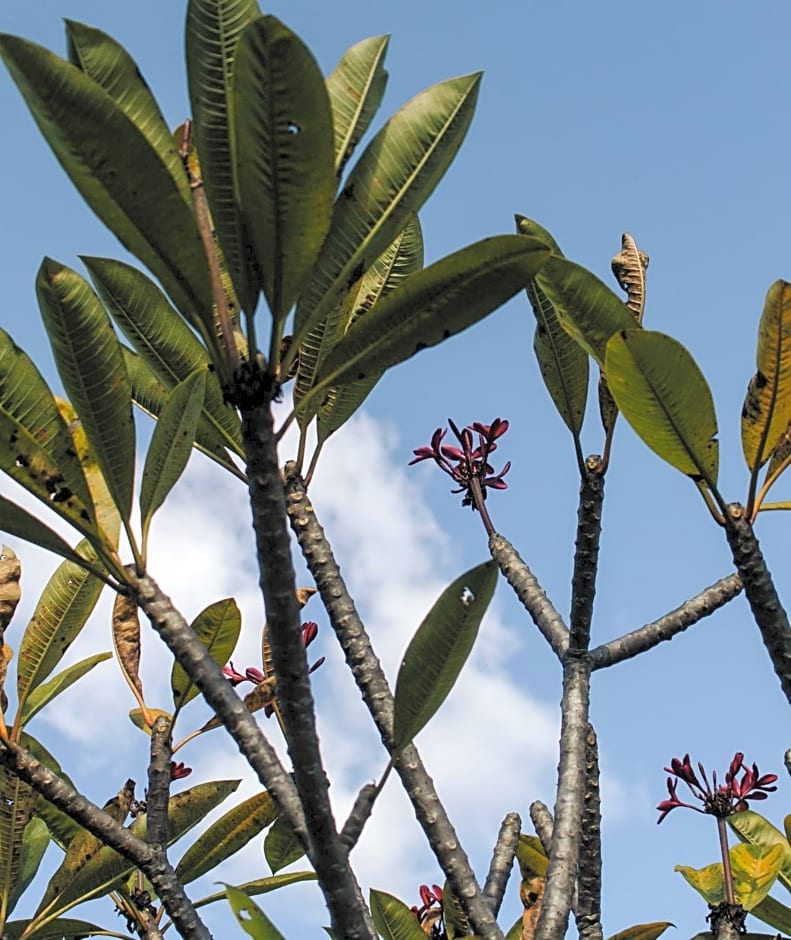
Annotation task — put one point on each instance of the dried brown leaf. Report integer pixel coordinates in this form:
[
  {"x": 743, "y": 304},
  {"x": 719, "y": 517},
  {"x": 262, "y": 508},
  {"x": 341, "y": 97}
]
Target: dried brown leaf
[
  {"x": 126, "y": 639},
  {"x": 262, "y": 695},
  {"x": 10, "y": 572},
  {"x": 629, "y": 267},
  {"x": 531, "y": 893}
]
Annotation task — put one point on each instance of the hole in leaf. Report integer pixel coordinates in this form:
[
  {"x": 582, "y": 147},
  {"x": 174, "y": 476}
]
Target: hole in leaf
[
  {"x": 467, "y": 597},
  {"x": 293, "y": 128}
]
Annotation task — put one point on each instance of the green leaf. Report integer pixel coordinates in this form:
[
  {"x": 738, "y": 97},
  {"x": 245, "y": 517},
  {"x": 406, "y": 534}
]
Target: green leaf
[
  {"x": 663, "y": 395},
  {"x": 515, "y": 933},
  {"x": 356, "y": 88},
  {"x": 38, "y": 451},
  {"x": 284, "y": 153},
  {"x": 708, "y": 881},
  {"x": 46, "y": 692},
  {"x": 250, "y": 916},
  {"x": 168, "y": 346},
  {"x": 227, "y": 836},
  {"x": 561, "y": 359},
  {"x": 144, "y": 720},
  {"x": 212, "y": 35},
  {"x": 387, "y": 273},
  {"x": 171, "y": 446},
  {"x": 63, "y": 928},
  {"x": 586, "y": 308},
  {"x": 751, "y": 827},
  {"x": 17, "y": 802},
  {"x": 93, "y": 871},
  {"x": 767, "y": 407},
  {"x": 63, "y": 609},
  {"x": 393, "y": 919},
  {"x": 439, "y": 649},
  {"x": 262, "y": 885},
  {"x": 151, "y": 396},
  {"x": 774, "y": 913},
  {"x": 531, "y": 857},
  {"x": 392, "y": 179},
  {"x": 643, "y": 931},
  {"x": 35, "y": 841},
  {"x": 755, "y": 869},
  {"x": 19, "y": 522},
  {"x": 117, "y": 171},
  {"x": 91, "y": 367},
  {"x": 433, "y": 305},
  {"x": 281, "y": 846},
  {"x": 217, "y": 627},
  {"x": 107, "y": 62}
]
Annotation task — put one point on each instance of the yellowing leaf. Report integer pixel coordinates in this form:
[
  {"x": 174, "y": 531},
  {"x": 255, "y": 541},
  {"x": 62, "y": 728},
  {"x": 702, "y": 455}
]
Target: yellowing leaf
[{"x": 755, "y": 870}]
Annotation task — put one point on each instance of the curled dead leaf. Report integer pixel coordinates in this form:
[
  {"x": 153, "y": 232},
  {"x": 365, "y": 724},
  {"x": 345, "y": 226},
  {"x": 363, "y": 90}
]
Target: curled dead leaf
[
  {"x": 10, "y": 573},
  {"x": 126, "y": 639}
]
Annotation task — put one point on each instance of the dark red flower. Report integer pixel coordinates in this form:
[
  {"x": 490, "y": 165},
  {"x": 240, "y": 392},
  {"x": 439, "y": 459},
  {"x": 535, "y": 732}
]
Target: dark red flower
[
  {"x": 465, "y": 463},
  {"x": 723, "y": 800},
  {"x": 179, "y": 771}
]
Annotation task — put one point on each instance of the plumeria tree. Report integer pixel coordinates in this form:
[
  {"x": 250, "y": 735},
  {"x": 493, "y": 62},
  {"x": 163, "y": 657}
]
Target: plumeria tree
[{"x": 284, "y": 269}]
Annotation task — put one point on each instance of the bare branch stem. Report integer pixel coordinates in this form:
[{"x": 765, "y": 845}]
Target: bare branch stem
[{"x": 502, "y": 860}]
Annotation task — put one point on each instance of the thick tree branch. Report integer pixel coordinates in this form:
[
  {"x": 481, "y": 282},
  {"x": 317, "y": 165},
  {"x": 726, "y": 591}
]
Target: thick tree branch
[
  {"x": 588, "y": 907},
  {"x": 158, "y": 793},
  {"x": 350, "y": 915},
  {"x": 502, "y": 860},
  {"x": 359, "y": 815},
  {"x": 761, "y": 594},
  {"x": 147, "y": 858},
  {"x": 586, "y": 556},
  {"x": 530, "y": 593},
  {"x": 564, "y": 851},
  {"x": 543, "y": 823},
  {"x": 650, "y": 635},
  {"x": 376, "y": 693}
]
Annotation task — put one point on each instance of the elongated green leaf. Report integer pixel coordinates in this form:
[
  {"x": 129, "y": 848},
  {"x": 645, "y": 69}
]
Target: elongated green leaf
[
  {"x": 151, "y": 396},
  {"x": 38, "y": 451},
  {"x": 19, "y": 522},
  {"x": 356, "y": 88},
  {"x": 285, "y": 158},
  {"x": 63, "y": 928},
  {"x": 437, "y": 652},
  {"x": 17, "y": 802},
  {"x": 250, "y": 916},
  {"x": 774, "y": 913},
  {"x": 281, "y": 846},
  {"x": 88, "y": 356},
  {"x": 561, "y": 359},
  {"x": 217, "y": 627},
  {"x": 92, "y": 873},
  {"x": 752, "y": 828},
  {"x": 433, "y": 305},
  {"x": 767, "y": 406},
  {"x": 663, "y": 395},
  {"x": 171, "y": 445},
  {"x": 35, "y": 841},
  {"x": 160, "y": 336},
  {"x": 227, "y": 836},
  {"x": 106, "y": 61},
  {"x": 212, "y": 35},
  {"x": 393, "y": 919},
  {"x": 62, "y": 611},
  {"x": 755, "y": 869},
  {"x": 387, "y": 273},
  {"x": 46, "y": 692},
  {"x": 531, "y": 856},
  {"x": 586, "y": 308},
  {"x": 117, "y": 171},
  {"x": 393, "y": 178},
  {"x": 262, "y": 885},
  {"x": 643, "y": 931}
]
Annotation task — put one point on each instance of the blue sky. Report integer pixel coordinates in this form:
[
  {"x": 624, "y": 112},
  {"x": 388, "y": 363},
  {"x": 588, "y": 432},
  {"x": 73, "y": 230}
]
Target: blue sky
[{"x": 669, "y": 122}]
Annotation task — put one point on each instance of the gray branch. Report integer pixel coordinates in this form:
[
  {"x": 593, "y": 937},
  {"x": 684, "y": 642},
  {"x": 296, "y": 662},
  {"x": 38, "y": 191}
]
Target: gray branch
[
  {"x": 588, "y": 907},
  {"x": 376, "y": 693},
  {"x": 502, "y": 860},
  {"x": 147, "y": 858},
  {"x": 543, "y": 823},
  {"x": 359, "y": 815},
  {"x": 530, "y": 593},
  {"x": 650, "y": 635},
  {"x": 586, "y": 556},
  {"x": 761, "y": 594},
  {"x": 564, "y": 851},
  {"x": 158, "y": 793},
  {"x": 350, "y": 916}
]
